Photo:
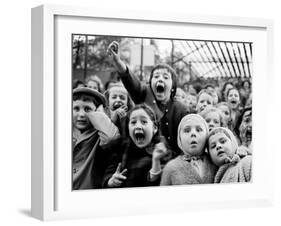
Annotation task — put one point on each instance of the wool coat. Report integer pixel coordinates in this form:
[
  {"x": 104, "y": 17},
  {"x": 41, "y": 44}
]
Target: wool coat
[
  {"x": 189, "y": 171},
  {"x": 238, "y": 170},
  {"x": 169, "y": 116}
]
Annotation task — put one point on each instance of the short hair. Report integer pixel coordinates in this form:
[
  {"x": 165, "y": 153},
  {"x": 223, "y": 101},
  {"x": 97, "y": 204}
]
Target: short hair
[
  {"x": 207, "y": 92},
  {"x": 234, "y": 88},
  {"x": 173, "y": 74},
  {"x": 150, "y": 113},
  {"x": 85, "y": 97},
  {"x": 210, "y": 109}
]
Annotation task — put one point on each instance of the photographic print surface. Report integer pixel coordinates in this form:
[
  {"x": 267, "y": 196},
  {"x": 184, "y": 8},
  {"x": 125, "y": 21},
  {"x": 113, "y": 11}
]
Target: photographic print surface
[{"x": 158, "y": 112}]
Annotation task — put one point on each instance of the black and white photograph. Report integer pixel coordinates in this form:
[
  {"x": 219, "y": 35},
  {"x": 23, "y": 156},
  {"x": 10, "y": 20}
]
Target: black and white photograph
[{"x": 160, "y": 112}]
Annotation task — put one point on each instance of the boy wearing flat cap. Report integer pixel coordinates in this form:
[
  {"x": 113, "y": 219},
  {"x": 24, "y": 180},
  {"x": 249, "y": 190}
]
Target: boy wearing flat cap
[{"x": 92, "y": 129}]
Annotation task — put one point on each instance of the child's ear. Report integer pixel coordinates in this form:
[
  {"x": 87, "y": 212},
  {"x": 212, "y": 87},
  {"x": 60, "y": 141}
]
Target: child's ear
[{"x": 155, "y": 129}]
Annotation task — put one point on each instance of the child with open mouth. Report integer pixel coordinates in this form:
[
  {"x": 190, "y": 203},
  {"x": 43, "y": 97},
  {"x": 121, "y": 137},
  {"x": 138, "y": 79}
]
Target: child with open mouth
[
  {"x": 244, "y": 128},
  {"x": 158, "y": 94},
  {"x": 233, "y": 100},
  {"x": 137, "y": 160},
  {"x": 118, "y": 103},
  {"x": 193, "y": 166},
  {"x": 223, "y": 146}
]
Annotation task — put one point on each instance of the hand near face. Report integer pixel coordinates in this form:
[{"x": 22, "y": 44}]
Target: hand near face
[
  {"x": 117, "y": 178},
  {"x": 159, "y": 151},
  {"x": 120, "y": 112}
]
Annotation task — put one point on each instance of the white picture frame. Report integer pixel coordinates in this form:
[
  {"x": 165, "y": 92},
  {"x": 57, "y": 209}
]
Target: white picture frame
[{"x": 52, "y": 197}]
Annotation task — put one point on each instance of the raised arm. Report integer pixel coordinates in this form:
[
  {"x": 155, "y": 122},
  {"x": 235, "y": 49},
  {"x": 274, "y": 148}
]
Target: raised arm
[{"x": 135, "y": 88}]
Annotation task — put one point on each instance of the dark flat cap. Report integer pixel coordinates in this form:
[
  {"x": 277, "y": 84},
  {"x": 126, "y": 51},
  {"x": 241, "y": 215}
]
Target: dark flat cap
[{"x": 90, "y": 92}]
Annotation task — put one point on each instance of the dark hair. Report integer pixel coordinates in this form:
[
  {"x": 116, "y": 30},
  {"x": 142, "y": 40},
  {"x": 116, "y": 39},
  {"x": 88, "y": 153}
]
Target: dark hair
[
  {"x": 150, "y": 113},
  {"x": 85, "y": 97},
  {"x": 246, "y": 81},
  {"x": 234, "y": 88},
  {"x": 174, "y": 77},
  {"x": 223, "y": 88},
  {"x": 239, "y": 121},
  {"x": 130, "y": 103},
  {"x": 209, "y": 85},
  {"x": 76, "y": 83}
]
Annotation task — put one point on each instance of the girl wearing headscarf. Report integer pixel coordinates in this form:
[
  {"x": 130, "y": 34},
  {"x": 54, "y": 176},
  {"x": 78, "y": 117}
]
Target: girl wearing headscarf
[
  {"x": 223, "y": 147},
  {"x": 193, "y": 166}
]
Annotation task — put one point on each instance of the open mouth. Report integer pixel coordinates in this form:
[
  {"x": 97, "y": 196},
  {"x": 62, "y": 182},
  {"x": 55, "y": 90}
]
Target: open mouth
[
  {"x": 117, "y": 105},
  {"x": 220, "y": 153},
  {"x": 139, "y": 135},
  {"x": 248, "y": 134},
  {"x": 160, "y": 87},
  {"x": 233, "y": 102},
  {"x": 193, "y": 143}
]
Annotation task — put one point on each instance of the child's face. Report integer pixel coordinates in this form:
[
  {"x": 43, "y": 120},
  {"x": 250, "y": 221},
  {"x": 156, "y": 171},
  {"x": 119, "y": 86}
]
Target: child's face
[
  {"x": 161, "y": 84},
  {"x": 141, "y": 128},
  {"x": 204, "y": 101},
  {"x": 180, "y": 96},
  {"x": 80, "y": 111},
  {"x": 245, "y": 128},
  {"x": 220, "y": 148},
  {"x": 233, "y": 98},
  {"x": 193, "y": 137},
  {"x": 117, "y": 98},
  {"x": 225, "y": 112},
  {"x": 191, "y": 101},
  {"x": 213, "y": 120},
  {"x": 93, "y": 85}
]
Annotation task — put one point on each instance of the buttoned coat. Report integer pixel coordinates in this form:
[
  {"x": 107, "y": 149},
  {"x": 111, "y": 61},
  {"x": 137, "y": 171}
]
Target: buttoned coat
[{"x": 169, "y": 116}]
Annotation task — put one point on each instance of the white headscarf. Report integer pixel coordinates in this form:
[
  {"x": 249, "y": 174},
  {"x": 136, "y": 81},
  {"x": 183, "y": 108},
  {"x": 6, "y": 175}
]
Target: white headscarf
[
  {"x": 228, "y": 133},
  {"x": 185, "y": 120}
]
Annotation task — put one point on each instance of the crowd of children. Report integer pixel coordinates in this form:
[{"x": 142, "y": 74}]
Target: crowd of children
[{"x": 137, "y": 134}]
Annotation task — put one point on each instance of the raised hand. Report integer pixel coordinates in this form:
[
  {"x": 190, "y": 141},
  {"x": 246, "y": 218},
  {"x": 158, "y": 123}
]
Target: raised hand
[
  {"x": 117, "y": 178},
  {"x": 113, "y": 51},
  {"x": 160, "y": 150},
  {"x": 120, "y": 112}
]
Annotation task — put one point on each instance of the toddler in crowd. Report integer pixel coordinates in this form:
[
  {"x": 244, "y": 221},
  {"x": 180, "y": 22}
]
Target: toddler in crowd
[
  {"x": 191, "y": 101},
  {"x": 119, "y": 103},
  {"x": 225, "y": 111},
  {"x": 233, "y": 100},
  {"x": 94, "y": 82},
  {"x": 213, "y": 117},
  {"x": 92, "y": 129},
  {"x": 243, "y": 128},
  {"x": 158, "y": 94},
  {"x": 222, "y": 146},
  {"x": 204, "y": 99},
  {"x": 193, "y": 166},
  {"x": 137, "y": 160}
]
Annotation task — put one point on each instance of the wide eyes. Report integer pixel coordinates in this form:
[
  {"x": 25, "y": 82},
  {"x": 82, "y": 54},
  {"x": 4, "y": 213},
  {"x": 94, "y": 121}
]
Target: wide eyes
[
  {"x": 165, "y": 76},
  {"x": 188, "y": 129}
]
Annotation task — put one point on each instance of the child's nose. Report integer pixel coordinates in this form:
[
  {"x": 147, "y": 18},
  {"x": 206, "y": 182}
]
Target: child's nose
[{"x": 81, "y": 113}]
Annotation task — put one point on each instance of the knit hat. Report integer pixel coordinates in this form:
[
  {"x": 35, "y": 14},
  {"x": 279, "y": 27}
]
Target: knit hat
[
  {"x": 99, "y": 98},
  {"x": 228, "y": 133},
  {"x": 186, "y": 119}
]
